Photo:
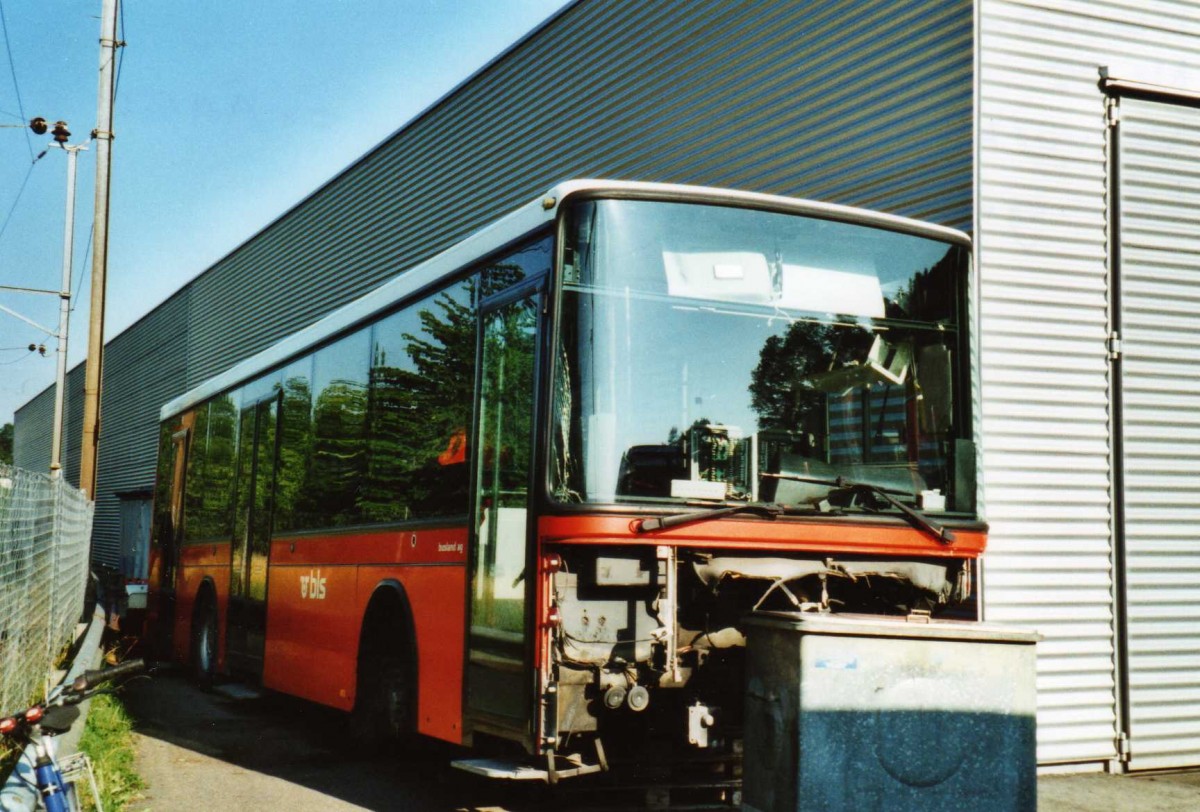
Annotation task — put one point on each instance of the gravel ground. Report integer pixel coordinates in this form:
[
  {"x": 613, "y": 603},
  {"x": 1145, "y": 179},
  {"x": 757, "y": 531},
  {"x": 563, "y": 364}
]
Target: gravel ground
[
  {"x": 1100, "y": 792},
  {"x": 205, "y": 751}
]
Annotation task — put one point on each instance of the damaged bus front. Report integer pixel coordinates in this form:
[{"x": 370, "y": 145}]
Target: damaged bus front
[{"x": 751, "y": 404}]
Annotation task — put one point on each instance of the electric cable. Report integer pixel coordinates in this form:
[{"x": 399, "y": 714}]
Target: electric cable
[
  {"x": 20, "y": 191},
  {"x": 120, "y": 50},
  {"x": 17, "y": 360},
  {"x": 87, "y": 251},
  {"x": 13, "y": 70}
]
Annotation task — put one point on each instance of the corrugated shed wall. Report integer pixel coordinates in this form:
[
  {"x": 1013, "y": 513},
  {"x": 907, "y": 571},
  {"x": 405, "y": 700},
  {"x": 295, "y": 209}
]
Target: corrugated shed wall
[
  {"x": 1041, "y": 236},
  {"x": 863, "y": 103},
  {"x": 143, "y": 368},
  {"x": 33, "y": 428},
  {"x": 72, "y": 450}
]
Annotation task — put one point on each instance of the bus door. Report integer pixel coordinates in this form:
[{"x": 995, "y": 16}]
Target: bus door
[
  {"x": 499, "y": 678},
  {"x": 258, "y": 456}
]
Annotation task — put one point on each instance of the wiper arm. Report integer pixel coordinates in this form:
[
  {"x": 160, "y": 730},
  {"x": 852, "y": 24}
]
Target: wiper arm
[
  {"x": 942, "y": 534},
  {"x": 663, "y": 522}
]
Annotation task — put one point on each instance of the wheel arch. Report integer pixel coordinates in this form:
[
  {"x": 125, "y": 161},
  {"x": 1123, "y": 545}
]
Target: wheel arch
[{"x": 388, "y": 619}]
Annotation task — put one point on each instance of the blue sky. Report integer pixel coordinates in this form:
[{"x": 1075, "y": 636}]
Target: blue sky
[{"x": 227, "y": 114}]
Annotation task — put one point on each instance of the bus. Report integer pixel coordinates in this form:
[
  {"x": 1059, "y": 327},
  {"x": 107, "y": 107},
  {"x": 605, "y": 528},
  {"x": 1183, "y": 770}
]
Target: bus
[{"x": 524, "y": 494}]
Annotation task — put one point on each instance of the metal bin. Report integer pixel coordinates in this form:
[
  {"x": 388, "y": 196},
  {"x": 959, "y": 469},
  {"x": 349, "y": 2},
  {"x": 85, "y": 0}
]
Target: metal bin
[{"x": 864, "y": 713}]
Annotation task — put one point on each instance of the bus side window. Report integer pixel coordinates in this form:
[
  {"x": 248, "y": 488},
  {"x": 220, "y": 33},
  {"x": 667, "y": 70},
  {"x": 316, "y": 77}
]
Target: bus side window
[
  {"x": 295, "y": 445},
  {"x": 339, "y": 445},
  {"x": 422, "y": 381}
]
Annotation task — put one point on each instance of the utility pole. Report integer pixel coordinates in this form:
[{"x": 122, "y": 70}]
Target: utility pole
[
  {"x": 61, "y": 134},
  {"x": 64, "y": 312},
  {"x": 95, "y": 357}
]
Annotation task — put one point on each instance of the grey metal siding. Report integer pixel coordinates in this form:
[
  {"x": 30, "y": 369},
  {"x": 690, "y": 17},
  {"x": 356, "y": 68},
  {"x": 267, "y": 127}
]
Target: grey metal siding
[
  {"x": 143, "y": 367},
  {"x": 862, "y": 103},
  {"x": 1041, "y": 242},
  {"x": 1160, "y": 327},
  {"x": 33, "y": 427}
]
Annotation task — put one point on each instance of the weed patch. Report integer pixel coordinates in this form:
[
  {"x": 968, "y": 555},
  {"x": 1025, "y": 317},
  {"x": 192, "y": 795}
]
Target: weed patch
[{"x": 108, "y": 741}]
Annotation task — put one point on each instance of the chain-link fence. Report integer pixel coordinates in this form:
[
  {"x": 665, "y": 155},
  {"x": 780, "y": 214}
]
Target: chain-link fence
[{"x": 45, "y": 528}]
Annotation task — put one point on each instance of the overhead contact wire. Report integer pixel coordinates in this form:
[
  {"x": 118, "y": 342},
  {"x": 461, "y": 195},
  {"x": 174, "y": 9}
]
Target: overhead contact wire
[
  {"x": 13, "y": 70},
  {"x": 20, "y": 191}
]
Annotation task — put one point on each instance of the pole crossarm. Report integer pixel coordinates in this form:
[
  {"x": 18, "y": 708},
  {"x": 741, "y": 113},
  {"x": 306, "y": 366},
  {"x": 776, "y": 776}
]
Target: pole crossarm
[{"x": 30, "y": 322}]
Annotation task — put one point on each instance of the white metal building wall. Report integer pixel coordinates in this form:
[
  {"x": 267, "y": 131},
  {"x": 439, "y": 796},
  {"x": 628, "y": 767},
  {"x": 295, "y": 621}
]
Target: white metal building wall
[
  {"x": 1159, "y": 232},
  {"x": 1041, "y": 241}
]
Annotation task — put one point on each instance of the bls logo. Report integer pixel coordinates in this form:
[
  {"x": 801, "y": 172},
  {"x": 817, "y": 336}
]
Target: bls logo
[{"x": 312, "y": 586}]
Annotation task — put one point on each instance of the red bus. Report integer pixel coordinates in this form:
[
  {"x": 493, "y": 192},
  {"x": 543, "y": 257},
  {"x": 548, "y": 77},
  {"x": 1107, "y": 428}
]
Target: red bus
[{"x": 528, "y": 490}]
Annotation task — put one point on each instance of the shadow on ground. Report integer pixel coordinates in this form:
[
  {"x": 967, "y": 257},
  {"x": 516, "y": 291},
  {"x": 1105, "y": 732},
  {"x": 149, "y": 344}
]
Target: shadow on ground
[{"x": 202, "y": 750}]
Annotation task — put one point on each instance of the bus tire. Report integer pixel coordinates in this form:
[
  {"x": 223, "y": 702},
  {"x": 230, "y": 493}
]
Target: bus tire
[
  {"x": 204, "y": 642},
  {"x": 384, "y": 715}
]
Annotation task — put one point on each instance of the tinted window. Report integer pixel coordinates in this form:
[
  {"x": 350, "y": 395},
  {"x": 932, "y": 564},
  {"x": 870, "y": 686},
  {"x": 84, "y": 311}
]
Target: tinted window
[
  {"x": 196, "y": 527},
  {"x": 220, "y": 467},
  {"x": 295, "y": 448},
  {"x": 527, "y": 261},
  {"x": 330, "y": 493},
  {"x": 422, "y": 383},
  {"x": 164, "y": 522}
]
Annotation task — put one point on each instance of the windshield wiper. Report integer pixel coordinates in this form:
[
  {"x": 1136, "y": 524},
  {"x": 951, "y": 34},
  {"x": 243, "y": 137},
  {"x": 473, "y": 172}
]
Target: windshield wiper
[
  {"x": 942, "y": 534},
  {"x": 715, "y": 512}
]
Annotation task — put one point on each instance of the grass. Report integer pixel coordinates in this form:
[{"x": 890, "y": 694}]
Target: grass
[
  {"x": 9, "y": 752},
  {"x": 108, "y": 741}
]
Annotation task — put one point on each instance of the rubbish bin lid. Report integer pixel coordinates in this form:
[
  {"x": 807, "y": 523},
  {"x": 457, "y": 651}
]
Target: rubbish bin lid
[{"x": 858, "y": 625}]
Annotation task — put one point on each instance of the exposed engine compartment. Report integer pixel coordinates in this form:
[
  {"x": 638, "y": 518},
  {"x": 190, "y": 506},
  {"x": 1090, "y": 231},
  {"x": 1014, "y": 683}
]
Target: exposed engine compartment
[{"x": 651, "y": 642}]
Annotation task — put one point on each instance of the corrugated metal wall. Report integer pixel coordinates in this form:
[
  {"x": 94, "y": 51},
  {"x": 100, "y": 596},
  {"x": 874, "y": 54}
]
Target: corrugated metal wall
[
  {"x": 1159, "y": 182},
  {"x": 143, "y": 367},
  {"x": 32, "y": 432},
  {"x": 34, "y": 424},
  {"x": 1041, "y": 236},
  {"x": 851, "y": 101},
  {"x": 859, "y": 102}
]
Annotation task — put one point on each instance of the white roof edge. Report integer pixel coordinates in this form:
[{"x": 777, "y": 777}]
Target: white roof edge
[
  {"x": 794, "y": 205},
  {"x": 504, "y": 231}
]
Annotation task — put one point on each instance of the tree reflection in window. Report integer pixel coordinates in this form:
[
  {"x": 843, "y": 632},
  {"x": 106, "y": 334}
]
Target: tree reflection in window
[{"x": 422, "y": 382}]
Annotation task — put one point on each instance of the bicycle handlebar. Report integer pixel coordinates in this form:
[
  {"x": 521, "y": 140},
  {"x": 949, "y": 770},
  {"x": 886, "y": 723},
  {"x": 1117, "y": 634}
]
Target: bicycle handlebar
[{"x": 90, "y": 679}]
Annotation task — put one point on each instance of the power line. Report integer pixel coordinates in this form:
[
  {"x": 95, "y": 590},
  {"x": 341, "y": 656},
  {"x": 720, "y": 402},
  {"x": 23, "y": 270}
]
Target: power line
[
  {"x": 17, "y": 360},
  {"x": 20, "y": 191},
  {"x": 82, "y": 266},
  {"x": 13, "y": 69},
  {"x": 121, "y": 52}
]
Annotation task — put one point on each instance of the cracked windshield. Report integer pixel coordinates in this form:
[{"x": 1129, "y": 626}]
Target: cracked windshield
[{"x": 733, "y": 356}]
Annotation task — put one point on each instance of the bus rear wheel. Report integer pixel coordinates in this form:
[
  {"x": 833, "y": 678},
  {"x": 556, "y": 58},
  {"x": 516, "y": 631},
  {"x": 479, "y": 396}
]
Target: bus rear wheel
[
  {"x": 204, "y": 644},
  {"x": 382, "y": 716}
]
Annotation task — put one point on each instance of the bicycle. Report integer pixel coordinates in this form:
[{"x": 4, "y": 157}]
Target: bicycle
[{"x": 55, "y": 779}]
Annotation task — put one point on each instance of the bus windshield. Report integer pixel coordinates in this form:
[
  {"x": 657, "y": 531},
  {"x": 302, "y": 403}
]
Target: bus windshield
[{"x": 716, "y": 354}]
